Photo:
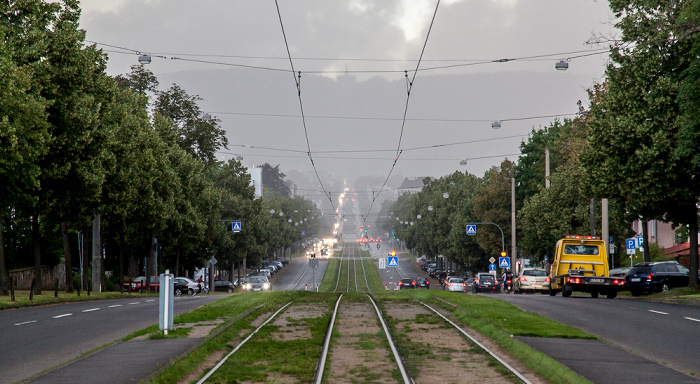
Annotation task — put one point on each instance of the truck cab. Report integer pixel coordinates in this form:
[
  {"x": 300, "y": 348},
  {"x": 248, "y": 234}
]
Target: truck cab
[{"x": 581, "y": 264}]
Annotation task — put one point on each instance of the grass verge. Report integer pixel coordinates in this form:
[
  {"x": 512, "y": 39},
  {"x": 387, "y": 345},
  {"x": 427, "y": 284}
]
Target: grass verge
[{"x": 47, "y": 298}]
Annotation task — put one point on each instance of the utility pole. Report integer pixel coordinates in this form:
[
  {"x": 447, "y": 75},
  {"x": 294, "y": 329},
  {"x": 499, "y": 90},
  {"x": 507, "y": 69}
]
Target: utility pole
[
  {"x": 96, "y": 255},
  {"x": 514, "y": 250}
]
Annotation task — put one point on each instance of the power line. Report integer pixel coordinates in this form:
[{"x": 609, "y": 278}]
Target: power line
[
  {"x": 297, "y": 81},
  {"x": 405, "y": 112}
]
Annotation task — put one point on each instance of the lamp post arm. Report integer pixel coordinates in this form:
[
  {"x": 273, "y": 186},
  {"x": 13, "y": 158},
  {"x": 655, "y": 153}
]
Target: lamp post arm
[{"x": 503, "y": 241}]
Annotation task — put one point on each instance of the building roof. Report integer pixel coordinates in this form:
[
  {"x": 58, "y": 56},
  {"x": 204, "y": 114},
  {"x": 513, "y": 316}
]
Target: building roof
[
  {"x": 412, "y": 183},
  {"x": 678, "y": 250}
]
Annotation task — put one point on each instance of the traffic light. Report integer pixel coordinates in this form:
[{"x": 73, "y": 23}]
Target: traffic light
[
  {"x": 503, "y": 254},
  {"x": 377, "y": 246},
  {"x": 392, "y": 253}
]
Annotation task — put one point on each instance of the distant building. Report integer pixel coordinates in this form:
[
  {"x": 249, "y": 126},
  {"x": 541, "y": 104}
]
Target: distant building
[
  {"x": 410, "y": 186},
  {"x": 292, "y": 188}
]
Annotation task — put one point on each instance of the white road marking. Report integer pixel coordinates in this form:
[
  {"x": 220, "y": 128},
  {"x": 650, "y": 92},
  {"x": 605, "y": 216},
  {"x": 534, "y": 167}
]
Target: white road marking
[
  {"x": 64, "y": 315},
  {"x": 138, "y": 302},
  {"x": 660, "y": 313},
  {"x": 26, "y": 322},
  {"x": 114, "y": 306},
  {"x": 90, "y": 310},
  {"x": 148, "y": 301},
  {"x": 691, "y": 319}
]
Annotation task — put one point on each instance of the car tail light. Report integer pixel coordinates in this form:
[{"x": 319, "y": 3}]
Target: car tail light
[
  {"x": 650, "y": 276},
  {"x": 618, "y": 282},
  {"x": 546, "y": 280},
  {"x": 464, "y": 284},
  {"x": 508, "y": 281},
  {"x": 523, "y": 278},
  {"x": 450, "y": 284}
]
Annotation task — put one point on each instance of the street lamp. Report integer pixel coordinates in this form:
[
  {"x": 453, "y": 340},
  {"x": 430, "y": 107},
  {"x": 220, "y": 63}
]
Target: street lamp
[
  {"x": 562, "y": 65},
  {"x": 446, "y": 195},
  {"x": 430, "y": 208},
  {"x": 272, "y": 211},
  {"x": 419, "y": 216},
  {"x": 144, "y": 59},
  {"x": 463, "y": 162},
  {"x": 496, "y": 125}
]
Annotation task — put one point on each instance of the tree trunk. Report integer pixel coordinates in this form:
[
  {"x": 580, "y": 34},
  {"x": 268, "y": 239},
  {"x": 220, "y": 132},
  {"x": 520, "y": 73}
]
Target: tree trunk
[
  {"x": 37, "y": 254},
  {"x": 693, "y": 243},
  {"x": 86, "y": 262},
  {"x": 592, "y": 217},
  {"x": 97, "y": 276},
  {"x": 4, "y": 276},
  {"x": 68, "y": 257},
  {"x": 153, "y": 258},
  {"x": 121, "y": 269},
  {"x": 177, "y": 260}
]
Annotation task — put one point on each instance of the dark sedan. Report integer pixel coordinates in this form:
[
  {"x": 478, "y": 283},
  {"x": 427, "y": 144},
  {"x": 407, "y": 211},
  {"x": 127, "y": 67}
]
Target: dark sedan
[
  {"x": 407, "y": 283},
  {"x": 485, "y": 282},
  {"x": 223, "y": 286},
  {"x": 422, "y": 282}
]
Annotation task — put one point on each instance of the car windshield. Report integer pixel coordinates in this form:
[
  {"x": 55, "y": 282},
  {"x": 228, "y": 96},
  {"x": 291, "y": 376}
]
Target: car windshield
[
  {"x": 406, "y": 280},
  {"x": 534, "y": 273},
  {"x": 458, "y": 281},
  {"x": 486, "y": 278}
]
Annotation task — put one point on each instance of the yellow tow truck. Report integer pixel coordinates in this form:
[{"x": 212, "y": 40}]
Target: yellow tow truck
[{"x": 581, "y": 264}]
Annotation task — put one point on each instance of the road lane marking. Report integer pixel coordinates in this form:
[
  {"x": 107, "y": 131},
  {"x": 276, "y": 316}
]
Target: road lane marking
[
  {"x": 660, "y": 313},
  {"x": 63, "y": 315},
  {"x": 114, "y": 306},
  {"x": 26, "y": 322},
  {"x": 138, "y": 302},
  {"x": 148, "y": 301},
  {"x": 691, "y": 319},
  {"x": 90, "y": 310}
]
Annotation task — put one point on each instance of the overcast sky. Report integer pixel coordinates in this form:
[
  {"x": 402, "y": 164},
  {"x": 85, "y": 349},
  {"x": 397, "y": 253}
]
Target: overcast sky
[{"x": 352, "y": 55}]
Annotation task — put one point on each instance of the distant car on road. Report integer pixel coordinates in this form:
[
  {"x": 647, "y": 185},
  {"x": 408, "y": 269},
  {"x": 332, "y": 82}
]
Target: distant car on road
[
  {"x": 656, "y": 277},
  {"x": 619, "y": 272},
  {"x": 455, "y": 284},
  {"x": 422, "y": 282},
  {"x": 531, "y": 280},
  {"x": 223, "y": 286},
  {"x": 257, "y": 283},
  {"x": 407, "y": 283},
  {"x": 485, "y": 282},
  {"x": 186, "y": 285}
]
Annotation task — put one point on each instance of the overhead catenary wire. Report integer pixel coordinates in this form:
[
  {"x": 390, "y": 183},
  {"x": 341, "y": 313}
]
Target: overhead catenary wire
[
  {"x": 405, "y": 113},
  {"x": 297, "y": 81}
]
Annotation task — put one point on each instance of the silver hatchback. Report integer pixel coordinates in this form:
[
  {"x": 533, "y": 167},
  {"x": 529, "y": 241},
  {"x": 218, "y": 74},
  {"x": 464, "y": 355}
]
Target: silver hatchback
[
  {"x": 455, "y": 284},
  {"x": 531, "y": 280}
]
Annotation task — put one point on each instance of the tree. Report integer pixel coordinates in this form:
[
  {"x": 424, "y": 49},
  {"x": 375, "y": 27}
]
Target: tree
[
  {"x": 273, "y": 179},
  {"x": 201, "y": 137},
  {"x": 635, "y": 153}
]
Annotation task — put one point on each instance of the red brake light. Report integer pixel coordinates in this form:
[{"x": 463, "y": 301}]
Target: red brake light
[
  {"x": 464, "y": 284},
  {"x": 546, "y": 280},
  {"x": 522, "y": 278},
  {"x": 650, "y": 276}
]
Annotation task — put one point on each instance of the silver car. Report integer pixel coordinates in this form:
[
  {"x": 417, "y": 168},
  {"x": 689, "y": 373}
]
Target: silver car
[
  {"x": 257, "y": 283},
  {"x": 531, "y": 280},
  {"x": 455, "y": 284}
]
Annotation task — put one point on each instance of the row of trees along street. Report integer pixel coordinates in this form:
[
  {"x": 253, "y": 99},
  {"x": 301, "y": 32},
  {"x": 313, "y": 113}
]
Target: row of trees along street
[
  {"x": 119, "y": 159},
  {"x": 636, "y": 145}
]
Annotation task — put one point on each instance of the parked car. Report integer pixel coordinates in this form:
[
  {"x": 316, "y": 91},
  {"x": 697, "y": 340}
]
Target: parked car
[
  {"x": 406, "y": 283},
  {"x": 223, "y": 286},
  {"x": 257, "y": 283},
  {"x": 455, "y": 284},
  {"x": 135, "y": 285},
  {"x": 422, "y": 282},
  {"x": 655, "y": 277},
  {"x": 531, "y": 280},
  {"x": 619, "y": 272},
  {"x": 187, "y": 285},
  {"x": 435, "y": 272},
  {"x": 485, "y": 282}
]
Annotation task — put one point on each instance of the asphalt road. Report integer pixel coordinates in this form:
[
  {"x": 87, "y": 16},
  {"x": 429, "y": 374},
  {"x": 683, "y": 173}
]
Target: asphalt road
[
  {"x": 35, "y": 339},
  {"x": 665, "y": 333},
  {"x": 299, "y": 275}
]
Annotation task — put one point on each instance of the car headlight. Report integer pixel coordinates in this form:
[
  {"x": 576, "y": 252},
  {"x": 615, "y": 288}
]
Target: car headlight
[{"x": 266, "y": 286}]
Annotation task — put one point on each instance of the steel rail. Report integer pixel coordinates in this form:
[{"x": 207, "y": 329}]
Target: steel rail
[
  {"x": 339, "y": 269},
  {"x": 365, "y": 272},
  {"x": 399, "y": 361},
  {"x": 220, "y": 363},
  {"x": 516, "y": 373},
  {"x": 318, "y": 376}
]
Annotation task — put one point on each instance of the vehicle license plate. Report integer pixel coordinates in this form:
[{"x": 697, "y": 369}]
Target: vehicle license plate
[
  {"x": 635, "y": 279},
  {"x": 596, "y": 280}
]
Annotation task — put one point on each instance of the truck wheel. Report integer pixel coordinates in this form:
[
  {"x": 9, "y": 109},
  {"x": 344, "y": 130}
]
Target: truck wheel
[
  {"x": 566, "y": 291},
  {"x": 611, "y": 294},
  {"x": 594, "y": 294}
]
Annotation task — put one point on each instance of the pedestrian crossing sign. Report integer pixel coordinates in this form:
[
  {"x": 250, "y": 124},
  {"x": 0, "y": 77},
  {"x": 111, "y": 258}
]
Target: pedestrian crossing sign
[
  {"x": 394, "y": 261},
  {"x": 236, "y": 226},
  {"x": 504, "y": 262}
]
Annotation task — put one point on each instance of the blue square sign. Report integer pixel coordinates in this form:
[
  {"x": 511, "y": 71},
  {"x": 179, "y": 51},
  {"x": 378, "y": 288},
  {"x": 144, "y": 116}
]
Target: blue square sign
[
  {"x": 393, "y": 261},
  {"x": 236, "y": 226}
]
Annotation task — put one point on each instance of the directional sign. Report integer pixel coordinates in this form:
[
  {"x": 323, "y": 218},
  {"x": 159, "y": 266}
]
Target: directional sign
[
  {"x": 492, "y": 260},
  {"x": 236, "y": 226},
  {"x": 631, "y": 245},
  {"x": 471, "y": 229},
  {"x": 393, "y": 261},
  {"x": 492, "y": 267},
  {"x": 382, "y": 263},
  {"x": 504, "y": 262}
]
